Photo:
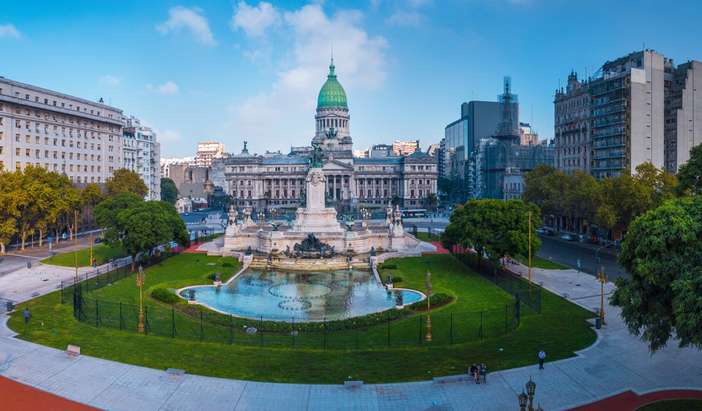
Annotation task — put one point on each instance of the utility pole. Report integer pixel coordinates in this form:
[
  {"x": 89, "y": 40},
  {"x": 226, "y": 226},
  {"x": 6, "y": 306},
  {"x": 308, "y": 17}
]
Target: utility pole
[{"x": 602, "y": 278}]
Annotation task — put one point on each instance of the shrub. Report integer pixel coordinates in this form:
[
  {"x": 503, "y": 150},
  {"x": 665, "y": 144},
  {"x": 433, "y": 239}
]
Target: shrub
[
  {"x": 396, "y": 279},
  {"x": 164, "y": 295},
  {"x": 227, "y": 264},
  {"x": 437, "y": 300},
  {"x": 388, "y": 266}
]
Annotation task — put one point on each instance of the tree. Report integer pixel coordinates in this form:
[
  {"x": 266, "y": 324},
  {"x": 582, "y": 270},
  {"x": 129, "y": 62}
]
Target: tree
[
  {"x": 107, "y": 212},
  {"x": 663, "y": 253},
  {"x": 9, "y": 190},
  {"x": 431, "y": 201},
  {"x": 169, "y": 191},
  {"x": 661, "y": 186},
  {"x": 546, "y": 187},
  {"x": 126, "y": 181},
  {"x": 494, "y": 228},
  {"x": 690, "y": 173}
]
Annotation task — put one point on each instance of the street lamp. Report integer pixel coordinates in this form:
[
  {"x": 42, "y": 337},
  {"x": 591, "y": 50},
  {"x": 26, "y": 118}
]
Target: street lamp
[
  {"x": 140, "y": 284},
  {"x": 602, "y": 278},
  {"x": 531, "y": 390},
  {"x": 428, "y": 284},
  {"x": 522, "y": 401}
]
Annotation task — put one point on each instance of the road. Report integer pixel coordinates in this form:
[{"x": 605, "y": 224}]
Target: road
[
  {"x": 552, "y": 248},
  {"x": 16, "y": 259}
]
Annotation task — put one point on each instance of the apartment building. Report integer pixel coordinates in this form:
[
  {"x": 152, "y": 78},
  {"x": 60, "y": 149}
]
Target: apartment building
[
  {"x": 208, "y": 151},
  {"x": 142, "y": 154},
  {"x": 62, "y": 133},
  {"x": 637, "y": 108}
]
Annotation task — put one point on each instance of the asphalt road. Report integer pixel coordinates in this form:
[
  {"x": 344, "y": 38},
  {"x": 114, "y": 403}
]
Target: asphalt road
[
  {"x": 552, "y": 248},
  {"x": 568, "y": 253}
]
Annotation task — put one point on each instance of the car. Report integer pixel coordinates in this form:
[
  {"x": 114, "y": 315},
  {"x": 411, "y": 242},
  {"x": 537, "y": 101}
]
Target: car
[
  {"x": 541, "y": 231},
  {"x": 568, "y": 237},
  {"x": 98, "y": 240}
]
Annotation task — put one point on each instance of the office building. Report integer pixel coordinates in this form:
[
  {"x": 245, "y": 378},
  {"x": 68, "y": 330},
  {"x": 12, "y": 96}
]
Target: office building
[
  {"x": 683, "y": 114},
  {"x": 404, "y": 148},
  {"x": 572, "y": 126}
]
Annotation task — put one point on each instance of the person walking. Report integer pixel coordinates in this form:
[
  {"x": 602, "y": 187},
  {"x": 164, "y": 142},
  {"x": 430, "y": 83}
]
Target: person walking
[
  {"x": 26, "y": 315},
  {"x": 542, "y": 357},
  {"x": 483, "y": 372}
]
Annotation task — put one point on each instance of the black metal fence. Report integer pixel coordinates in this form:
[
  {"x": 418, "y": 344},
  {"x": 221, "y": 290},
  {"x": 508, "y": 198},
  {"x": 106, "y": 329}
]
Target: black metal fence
[
  {"x": 521, "y": 290},
  {"x": 201, "y": 325}
]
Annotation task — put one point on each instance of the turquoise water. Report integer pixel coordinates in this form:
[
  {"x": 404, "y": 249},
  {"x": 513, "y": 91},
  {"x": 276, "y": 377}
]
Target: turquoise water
[{"x": 302, "y": 296}]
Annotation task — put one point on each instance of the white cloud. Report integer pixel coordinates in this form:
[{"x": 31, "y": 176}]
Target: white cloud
[
  {"x": 167, "y": 88},
  {"x": 359, "y": 57},
  {"x": 9, "y": 31},
  {"x": 255, "y": 20},
  {"x": 110, "y": 80},
  {"x": 404, "y": 19},
  {"x": 188, "y": 20}
]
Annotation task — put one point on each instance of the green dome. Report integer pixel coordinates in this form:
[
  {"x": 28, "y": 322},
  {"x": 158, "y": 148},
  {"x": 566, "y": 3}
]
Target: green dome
[{"x": 332, "y": 95}]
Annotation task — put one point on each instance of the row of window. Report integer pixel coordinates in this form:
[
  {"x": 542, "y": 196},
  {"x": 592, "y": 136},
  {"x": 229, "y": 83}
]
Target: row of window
[
  {"x": 54, "y": 103},
  {"x": 55, "y": 168},
  {"x": 47, "y": 141}
]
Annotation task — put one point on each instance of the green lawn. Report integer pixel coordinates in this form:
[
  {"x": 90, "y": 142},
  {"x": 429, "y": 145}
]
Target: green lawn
[
  {"x": 101, "y": 252},
  {"x": 544, "y": 263},
  {"x": 560, "y": 330},
  {"x": 674, "y": 405}
]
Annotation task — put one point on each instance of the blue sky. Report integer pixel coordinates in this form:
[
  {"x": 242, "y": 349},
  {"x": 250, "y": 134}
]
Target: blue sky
[{"x": 234, "y": 71}]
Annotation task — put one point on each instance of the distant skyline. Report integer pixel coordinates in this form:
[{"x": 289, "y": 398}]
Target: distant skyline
[{"x": 247, "y": 70}]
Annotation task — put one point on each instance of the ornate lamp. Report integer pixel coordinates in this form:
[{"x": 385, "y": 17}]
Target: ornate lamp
[
  {"x": 531, "y": 390},
  {"x": 522, "y": 401}
]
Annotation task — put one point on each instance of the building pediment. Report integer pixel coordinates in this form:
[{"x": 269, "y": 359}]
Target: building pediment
[{"x": 336, "y": 165}]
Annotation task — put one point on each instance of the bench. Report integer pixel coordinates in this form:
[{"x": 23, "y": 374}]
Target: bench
[
  {"x": 73, "y": 350},
  {"x": 353, "y": 384}
]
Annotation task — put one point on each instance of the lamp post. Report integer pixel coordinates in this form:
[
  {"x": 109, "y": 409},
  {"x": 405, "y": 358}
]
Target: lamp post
[
  {"x": 531, "y": 390},
  {"x": 428, "y": 284},
  {"x": 522, "y": 401},
  {"x": 602, "y": 278},
  {"x": 140, "y": 284},
  {"x": 529, "y": 251}
]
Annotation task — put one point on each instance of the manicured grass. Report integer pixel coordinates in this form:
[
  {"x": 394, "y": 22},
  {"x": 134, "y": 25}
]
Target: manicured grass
[
  {"x": 424, "y": 236},
  {"x": 544, "y": 263},
  {"x": 101, "y": 252},
  {"x": 560, "y": 330},
  {"x": 674, "y": 405}
]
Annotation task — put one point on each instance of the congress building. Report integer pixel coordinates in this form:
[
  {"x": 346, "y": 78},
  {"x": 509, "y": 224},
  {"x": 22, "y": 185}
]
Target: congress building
[{"x": 277, "y": 181}]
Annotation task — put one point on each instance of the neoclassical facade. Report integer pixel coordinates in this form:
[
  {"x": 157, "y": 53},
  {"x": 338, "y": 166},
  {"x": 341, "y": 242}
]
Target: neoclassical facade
[{"x": 278, "y": 181}]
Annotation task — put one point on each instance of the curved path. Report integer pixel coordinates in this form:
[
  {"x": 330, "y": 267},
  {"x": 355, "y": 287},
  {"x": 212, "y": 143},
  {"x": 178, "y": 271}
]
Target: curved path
[{"x": 616, "y": 363}]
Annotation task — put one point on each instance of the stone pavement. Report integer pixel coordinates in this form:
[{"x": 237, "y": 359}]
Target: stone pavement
[{"x": 616, "y": 363}]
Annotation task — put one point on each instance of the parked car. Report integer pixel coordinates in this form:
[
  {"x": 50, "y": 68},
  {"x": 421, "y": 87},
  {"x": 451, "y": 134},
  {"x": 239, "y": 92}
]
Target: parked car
[
  {"x": 546, "y": 231},
  {"x": 568, "y": 237}
]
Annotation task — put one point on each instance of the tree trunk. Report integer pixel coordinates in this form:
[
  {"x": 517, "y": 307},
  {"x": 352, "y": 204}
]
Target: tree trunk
[
  {"x": 23, "y": 238},
  {"x": 41, "y": 233},
  {"x": 2, "y": 248}
]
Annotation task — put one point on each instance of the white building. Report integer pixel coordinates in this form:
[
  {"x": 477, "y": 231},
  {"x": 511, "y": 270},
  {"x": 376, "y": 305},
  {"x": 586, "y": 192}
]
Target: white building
[
  {"x": 168, "y": 161},
  {"x": 142, "y": 154},
  {"x": 61, "y": 133}
]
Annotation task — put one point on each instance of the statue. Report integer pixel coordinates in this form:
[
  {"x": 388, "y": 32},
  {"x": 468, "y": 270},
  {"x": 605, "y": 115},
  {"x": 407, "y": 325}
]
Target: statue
[
  {"x": 388, "y": 215},
  {"x": 331, "y": 133},
  {"x": 311, "y": 247},
  {"x": 317, "y": 159},
  {"x": 232, "y": 215}
]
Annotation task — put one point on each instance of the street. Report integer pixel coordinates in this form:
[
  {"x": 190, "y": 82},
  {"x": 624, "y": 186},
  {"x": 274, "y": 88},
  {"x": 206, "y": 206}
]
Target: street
[{"x": 568, "y": 253}]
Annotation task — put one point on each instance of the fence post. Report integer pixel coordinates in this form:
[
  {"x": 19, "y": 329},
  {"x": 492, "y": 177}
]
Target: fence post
[
  {"x": 388, "y": 327},
  {"x": 121, "y": 323},
  {"x": 61, "y": 285},
  {"x": 419, "y": 330},
  {"x": 451, "y": 329},
  {"x": 201, "y": 330},
  {"x": 172, "y": 322},
  {"x": 260, "y": 330},
  {"x": 97, "y": 312},
  {"x": 231, "y": 329},
  {"x": 146, "y": 320}
]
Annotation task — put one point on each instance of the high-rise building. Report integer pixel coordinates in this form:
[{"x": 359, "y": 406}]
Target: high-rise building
[
  {"x": 208, "y": 151},
  {"x": 404, "y": 148},
  {"x": 142, "y": 154},
  {"x": 79, "y": 138},
  {"x": 638, "y": 108},
  {"x": 683, "y": 114},
  {"x": 381, "y": 150}
]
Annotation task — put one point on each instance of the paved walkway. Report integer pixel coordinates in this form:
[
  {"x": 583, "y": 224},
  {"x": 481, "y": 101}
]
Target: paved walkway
[{"x": 616, "y": 363}]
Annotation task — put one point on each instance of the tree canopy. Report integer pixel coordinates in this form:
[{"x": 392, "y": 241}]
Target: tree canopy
[
  {"x": 169, "y": 191},
  {"x": 494, "y": 228},
  {"x": 690, "y": 173},
  {"x": 663, "y": 253},
  {"x": 126, "y": 181}
]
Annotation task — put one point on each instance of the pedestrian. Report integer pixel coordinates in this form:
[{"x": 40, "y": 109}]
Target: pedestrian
[
  {"x": 483, "y": 373},
  {"x": 542, "y": 357},
  {"x": 26, "y": 315},
  {"x": 473, "y": 369}
]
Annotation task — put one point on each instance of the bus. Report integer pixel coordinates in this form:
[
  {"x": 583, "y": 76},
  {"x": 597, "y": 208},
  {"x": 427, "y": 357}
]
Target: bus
[{"x": 414, "y": 213}]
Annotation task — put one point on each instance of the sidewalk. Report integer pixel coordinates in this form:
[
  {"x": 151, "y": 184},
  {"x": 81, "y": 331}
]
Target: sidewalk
[{"x": 616, "y": 363}]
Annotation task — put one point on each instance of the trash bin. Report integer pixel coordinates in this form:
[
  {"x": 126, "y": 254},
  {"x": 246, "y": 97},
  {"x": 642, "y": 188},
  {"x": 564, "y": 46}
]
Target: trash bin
[{"x": 598, "y": 323}]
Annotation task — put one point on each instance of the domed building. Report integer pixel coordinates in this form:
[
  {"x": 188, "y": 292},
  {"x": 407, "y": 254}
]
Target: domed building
[{"x": 277, "y": 181}]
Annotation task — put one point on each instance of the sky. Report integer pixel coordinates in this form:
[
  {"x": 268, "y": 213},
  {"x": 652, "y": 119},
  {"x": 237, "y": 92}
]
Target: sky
[{"x": 247, "y": 70}]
